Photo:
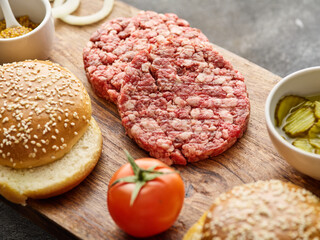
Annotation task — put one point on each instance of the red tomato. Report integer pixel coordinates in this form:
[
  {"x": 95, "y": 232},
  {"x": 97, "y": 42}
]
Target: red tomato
[{"x": 157, "y": 205}]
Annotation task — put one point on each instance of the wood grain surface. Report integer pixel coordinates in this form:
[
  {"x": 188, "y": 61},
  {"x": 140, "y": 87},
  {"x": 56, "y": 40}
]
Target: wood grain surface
[{"x": 82, "y": 212}]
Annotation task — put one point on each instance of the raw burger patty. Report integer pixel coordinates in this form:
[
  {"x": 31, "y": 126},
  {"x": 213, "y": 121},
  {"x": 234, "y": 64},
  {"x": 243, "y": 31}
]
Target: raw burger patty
[
  {"x": 114, "y": 45},
  {"x": 182, "y": 102}
]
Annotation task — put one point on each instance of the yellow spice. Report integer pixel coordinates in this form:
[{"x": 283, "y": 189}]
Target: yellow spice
[{"x": 27, "y": 26}]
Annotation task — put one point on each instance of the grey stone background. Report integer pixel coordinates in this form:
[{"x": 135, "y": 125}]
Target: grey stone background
[{"x": 280, "y": 35}]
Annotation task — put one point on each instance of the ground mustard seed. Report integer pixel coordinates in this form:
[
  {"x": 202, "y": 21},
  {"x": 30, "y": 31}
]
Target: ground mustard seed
[{"x": 26, "y": 23}]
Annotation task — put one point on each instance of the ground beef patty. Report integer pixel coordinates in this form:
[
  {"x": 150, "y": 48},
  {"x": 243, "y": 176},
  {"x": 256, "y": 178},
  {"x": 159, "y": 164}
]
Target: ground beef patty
[
  {"x": 115, "y": 44},
  {"x": 182, "y": 102}
]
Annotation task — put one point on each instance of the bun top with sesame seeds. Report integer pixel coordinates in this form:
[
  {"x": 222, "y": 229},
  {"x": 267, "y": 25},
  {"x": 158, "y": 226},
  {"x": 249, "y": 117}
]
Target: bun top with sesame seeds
[
  {"x": 261, "y": 210},
  {"x": 44, "y": 111}
]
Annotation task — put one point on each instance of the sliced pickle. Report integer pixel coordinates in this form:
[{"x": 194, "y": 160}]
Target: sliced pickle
[
  {"x": 299, "y": 121},
  {"x": 317, "y": 109},
  {"x": 315, "y": 142},
  {"x": 314, "y": 132},
  {"x": 314, "y": 98},
  {"x": 305, "y": 104},
  {"x": 302, "y": 121},
  {"x": 303, "y": 143},
  {"x": 284, "y": 106},
  {"x": 314, "y": 135}
]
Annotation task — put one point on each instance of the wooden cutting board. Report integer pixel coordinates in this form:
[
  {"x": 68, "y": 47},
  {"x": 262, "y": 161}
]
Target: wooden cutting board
[{"x": 83, "y": 212}]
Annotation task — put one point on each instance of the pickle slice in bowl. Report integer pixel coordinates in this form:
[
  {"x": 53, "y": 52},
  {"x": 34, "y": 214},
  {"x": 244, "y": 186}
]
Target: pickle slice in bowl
[
  {"x": 285, "y": 105},
  {"x": 315, "y": 142},
  {"x": 317, "y": 109},
  {"x": 314, "y": 135},
  {"x": 303, "y": 143},
  {"x": 305, "y": 104},
  {"x": 313, "y": 98},
  {"x": 299, "y": 121},
  {"x": 314, "y": 132}
]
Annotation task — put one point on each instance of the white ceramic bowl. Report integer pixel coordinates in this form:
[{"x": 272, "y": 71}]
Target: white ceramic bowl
[
  {"x": 305, "y": 82},
  {"x": 35, "y": 44}
]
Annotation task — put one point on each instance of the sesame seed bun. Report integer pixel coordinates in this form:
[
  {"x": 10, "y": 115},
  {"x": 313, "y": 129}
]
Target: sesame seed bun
[
  {"x": 49, "y": 142},
  {"x": 261, "y": 210},
  {"x": 17, "y": 185},
  {"x": 44, "y": 111}
]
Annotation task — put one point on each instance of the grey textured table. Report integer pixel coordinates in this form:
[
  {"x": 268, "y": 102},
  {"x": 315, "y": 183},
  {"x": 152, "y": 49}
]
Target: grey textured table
[{"x": 280, "y": 35}]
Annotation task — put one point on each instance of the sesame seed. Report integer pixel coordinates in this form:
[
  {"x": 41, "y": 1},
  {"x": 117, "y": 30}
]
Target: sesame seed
[
  {"x": 75, "y": 115},
  {"x": 6, "y": 119}
]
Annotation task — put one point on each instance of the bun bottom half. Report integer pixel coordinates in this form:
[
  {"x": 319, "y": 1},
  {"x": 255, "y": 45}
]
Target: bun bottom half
[
  {"x": 195, "y": 232},
  {"x": 17, "y": 185}
]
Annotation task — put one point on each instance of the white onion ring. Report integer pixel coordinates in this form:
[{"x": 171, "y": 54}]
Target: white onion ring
[
  {"x": 84, "y": 20},
  {"x": 61, "y": 9},
  {"x": 57, "y": 3}
]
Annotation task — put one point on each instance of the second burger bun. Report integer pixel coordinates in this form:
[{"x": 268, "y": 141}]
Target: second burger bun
[
  {"x": 44, "y": 111},
  {"x": 261, "y": 210}
]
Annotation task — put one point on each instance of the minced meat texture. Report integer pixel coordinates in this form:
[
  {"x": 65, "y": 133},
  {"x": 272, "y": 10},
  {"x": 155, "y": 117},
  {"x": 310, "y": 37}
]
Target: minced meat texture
[
  {"x": 182, "y": 102},
  {"x": 114, "y": 45}
]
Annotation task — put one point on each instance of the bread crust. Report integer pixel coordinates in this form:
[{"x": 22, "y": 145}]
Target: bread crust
[
  {"x": 78, "y": 170},
  {"x": 45, "y": 110},
  {"x": 261, "y": 210},
  {"x": 195, "y": 232}
]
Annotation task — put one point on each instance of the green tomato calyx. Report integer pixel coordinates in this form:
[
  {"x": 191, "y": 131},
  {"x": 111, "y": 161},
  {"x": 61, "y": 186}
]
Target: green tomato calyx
[{"x": 140, "y": 177}]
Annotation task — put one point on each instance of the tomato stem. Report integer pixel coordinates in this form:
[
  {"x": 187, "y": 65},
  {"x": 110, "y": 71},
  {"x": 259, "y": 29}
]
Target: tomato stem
[
  {"x": 133, "y": 164},
  {"x": 139, "y": 185},
  {"x": 140, "y": 177}
]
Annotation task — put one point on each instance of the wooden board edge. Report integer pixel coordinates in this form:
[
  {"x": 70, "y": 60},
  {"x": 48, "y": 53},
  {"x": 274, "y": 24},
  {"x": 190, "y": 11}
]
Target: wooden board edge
[{"x": 41, "y": 220}]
